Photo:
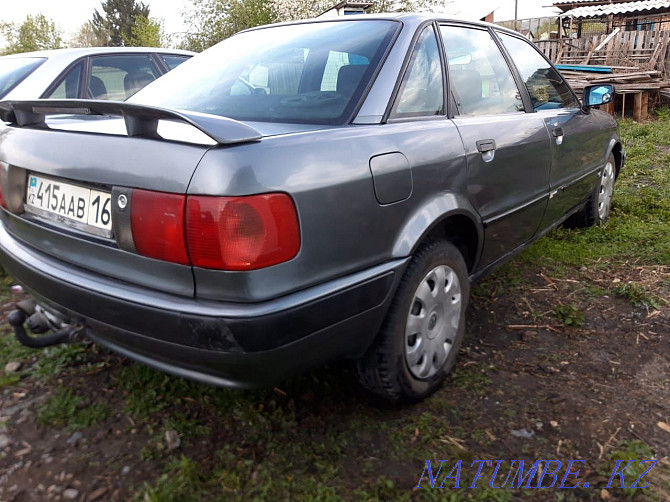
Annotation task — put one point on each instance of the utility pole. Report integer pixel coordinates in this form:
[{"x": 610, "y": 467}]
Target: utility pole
[{"x": 516, "y": 10}]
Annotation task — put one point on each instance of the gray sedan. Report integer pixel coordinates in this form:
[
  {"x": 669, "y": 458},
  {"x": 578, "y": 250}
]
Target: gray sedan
[{"x": 298, "y": 194}]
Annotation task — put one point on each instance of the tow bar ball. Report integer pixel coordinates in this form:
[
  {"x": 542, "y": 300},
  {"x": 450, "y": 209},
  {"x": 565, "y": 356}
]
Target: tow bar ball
[{"x": 40, "y": 321}]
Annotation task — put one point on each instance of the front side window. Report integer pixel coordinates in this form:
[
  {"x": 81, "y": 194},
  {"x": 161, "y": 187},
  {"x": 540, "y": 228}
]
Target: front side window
[
  {"x": 303, "y": 73},
  {"x": 546, "y": 87},
  {"x": 14, "y": 70},
  {"x": 481, "y": 81},
  {"x": 422, "y": 89}
]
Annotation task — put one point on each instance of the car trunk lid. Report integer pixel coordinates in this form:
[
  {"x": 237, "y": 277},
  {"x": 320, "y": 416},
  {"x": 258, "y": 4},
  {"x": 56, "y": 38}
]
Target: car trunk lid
[{"x": 34, "y": 149}]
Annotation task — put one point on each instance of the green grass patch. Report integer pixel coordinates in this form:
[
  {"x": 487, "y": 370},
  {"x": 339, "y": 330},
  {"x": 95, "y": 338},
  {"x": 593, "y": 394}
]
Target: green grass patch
[
  {"x": 9, "y": 380},
  {"x": 569, "y": 315},
  {"x": 637, "y": 295},
  {"x": 69, "y": 410},
  {"x": 55, "y": 360},
  {"x": 658, "y": 477}
]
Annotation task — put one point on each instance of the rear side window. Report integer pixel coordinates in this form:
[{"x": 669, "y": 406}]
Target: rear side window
[
  {"x": 68, "y": 88},
  {"x": 119, "y": 77},
  {"x": 15, "y": 70},
  {"x": 546, "y": 87},
  {"x": 173, "y": 61},
  {"x": 422, "y": 89},
  {"x": 303, "y": 73},
  {"x": 481, "y": 80}
]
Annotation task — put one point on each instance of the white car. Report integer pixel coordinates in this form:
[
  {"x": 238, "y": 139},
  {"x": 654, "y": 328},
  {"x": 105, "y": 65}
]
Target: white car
[{"x": 112, "y": 73}]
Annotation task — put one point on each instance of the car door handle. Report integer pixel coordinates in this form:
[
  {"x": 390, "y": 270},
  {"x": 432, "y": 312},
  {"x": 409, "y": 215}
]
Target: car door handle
[
  {"x": 487, "y": 147},
  {"x": 558, "y": 134}
]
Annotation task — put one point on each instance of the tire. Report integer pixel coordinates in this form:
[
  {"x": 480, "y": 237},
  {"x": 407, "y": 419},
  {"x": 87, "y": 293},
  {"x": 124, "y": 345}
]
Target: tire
[
  {"x": 599, "y": 204},
  {"x": 422, "y": 333}
]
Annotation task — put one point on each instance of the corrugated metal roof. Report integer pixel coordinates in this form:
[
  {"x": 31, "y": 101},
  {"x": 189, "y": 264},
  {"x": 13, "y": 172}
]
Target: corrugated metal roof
[{"x": 616, "y": 8}]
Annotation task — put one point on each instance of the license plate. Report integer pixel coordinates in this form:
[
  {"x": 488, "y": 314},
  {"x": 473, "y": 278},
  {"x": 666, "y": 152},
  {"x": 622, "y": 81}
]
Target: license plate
[{"x": 76, "y": 206}]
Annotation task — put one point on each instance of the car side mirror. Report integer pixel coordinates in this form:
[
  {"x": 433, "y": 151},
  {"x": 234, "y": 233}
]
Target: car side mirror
[{"x": 596, "y": 95}]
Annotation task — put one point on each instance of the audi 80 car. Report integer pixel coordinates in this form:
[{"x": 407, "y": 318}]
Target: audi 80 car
[
  {"x": 113, "y": 73},
  {"x": 297, "y": 194}
]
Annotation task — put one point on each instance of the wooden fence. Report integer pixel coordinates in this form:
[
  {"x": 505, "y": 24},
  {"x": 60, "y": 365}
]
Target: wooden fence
[{"x": 627, "y": 50}]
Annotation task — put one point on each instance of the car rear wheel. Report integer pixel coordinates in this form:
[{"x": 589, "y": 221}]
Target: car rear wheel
[
  {"x": 599, "y": 204},
  {"x": 419, "y": 341}
]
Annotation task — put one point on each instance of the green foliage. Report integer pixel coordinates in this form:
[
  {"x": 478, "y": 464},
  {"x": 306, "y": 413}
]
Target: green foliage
[
  {"x": 569, "y": 315},
  {"x": 54, "y": 360},
  {"x": 146, "y": 32},
  {"x": 117, "y": 20},
  {"x": 637, "y": 295},
  {"x": 472, "y": 380},
  {"x": 9, "y": 380},
  {"x": 625, "y": 451},
  {"x": 66, "y": 409},
  {"x": 181, "y": 483},
  {"x": 211, "y": 21},
  {"x": 88, "y": 36},
  {"x": 36, "y": 33},
  {"x": 405, "y": 6}
]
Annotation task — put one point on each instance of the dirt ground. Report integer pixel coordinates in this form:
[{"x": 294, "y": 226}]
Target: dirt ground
[{"x": 532, "y": 382}]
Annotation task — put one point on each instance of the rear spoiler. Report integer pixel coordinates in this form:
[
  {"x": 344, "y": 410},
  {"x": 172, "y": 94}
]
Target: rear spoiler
[{"x": 141, "y": 120}]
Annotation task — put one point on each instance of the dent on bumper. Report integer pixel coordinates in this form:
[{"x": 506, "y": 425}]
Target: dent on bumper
[{"x": 230, "y": 344}]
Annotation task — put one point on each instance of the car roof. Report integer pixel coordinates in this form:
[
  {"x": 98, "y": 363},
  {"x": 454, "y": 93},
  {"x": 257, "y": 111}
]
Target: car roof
[
  {"x": 410, "y": 18},
  {"x": 74, "y": 53}
]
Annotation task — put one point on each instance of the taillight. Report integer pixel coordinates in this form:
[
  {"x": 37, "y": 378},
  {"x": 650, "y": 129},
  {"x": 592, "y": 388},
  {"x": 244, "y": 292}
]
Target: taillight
[
  {"x": 241, "y": 233},
  {"x": 4, "y": 168},
  {"x": 2, "y": 198},
  {"x": 157, "y": 222}
]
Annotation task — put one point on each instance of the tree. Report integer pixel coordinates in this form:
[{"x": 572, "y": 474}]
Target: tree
[
  {"x": 146, "y": 32},
  {"x": 88, "y": 36},
  {"x": 406, "y": 5},
  {"x": 290, "y": 10},
  {"x": 118, "y": 19},
  {"x": 36, "y": 33},
  {"x": 210, "y": 21}
]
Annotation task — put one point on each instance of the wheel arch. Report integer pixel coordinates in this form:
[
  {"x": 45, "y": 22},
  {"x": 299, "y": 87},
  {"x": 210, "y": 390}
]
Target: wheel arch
[
  {"x": 616, "y": 149},
  {"x": 450, "y": 217}
]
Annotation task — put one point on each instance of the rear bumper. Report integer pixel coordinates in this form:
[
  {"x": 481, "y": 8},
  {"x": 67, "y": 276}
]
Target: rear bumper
[{"x": 220, "y": 343}]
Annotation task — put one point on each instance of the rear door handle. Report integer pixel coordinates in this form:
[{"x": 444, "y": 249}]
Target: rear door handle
[
  {"x": 558, "y": 134},
  {"x": 487, "y": 147}
]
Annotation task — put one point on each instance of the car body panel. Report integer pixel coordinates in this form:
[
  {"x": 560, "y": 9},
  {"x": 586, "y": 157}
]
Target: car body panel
[
  {"x": 578, "y": 159},
  {"x": 509, "y": 190}
]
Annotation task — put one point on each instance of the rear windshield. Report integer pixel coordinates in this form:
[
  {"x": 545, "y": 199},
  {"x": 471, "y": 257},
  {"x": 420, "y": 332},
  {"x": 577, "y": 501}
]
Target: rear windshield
[
  {"x": 305, "y": 73},
  {"x": 14, "y": 70}
]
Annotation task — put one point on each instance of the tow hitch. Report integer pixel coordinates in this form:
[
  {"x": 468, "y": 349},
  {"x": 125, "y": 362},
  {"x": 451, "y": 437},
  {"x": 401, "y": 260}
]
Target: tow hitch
[{"x": 40, "y": 320}]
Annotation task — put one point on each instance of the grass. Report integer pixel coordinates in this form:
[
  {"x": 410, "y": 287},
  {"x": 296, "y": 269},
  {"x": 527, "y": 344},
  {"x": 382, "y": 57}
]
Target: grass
[
  {"x": 569, "y": 315},
  {"x": 658, "y": 477},
  {"x": 637, "y": 295},
  {"x": 70, "y": 411}
]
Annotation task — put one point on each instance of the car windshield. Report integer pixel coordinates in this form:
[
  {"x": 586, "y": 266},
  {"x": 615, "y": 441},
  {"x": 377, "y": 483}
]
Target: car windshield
[
  {"x": 14, "y": 70},
  {"x": 303, "y": 73}
]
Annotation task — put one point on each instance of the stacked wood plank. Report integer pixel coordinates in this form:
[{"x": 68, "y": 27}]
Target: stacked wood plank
[
  {"x": 638, "y": 61},
  {"x": 629, "y": 80}
]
